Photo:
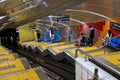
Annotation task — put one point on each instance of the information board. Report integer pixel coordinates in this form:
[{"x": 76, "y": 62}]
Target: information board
[
  {"x": 115, "y": 25},
  {"x": 63, "y": 19}
]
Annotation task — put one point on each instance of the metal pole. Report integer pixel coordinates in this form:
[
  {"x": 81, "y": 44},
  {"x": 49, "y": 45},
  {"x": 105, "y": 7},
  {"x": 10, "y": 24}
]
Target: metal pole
[
  {"x": 96, "y": 77},
  {"x": 85, "y": 58},
  {"x": 76, "y": 53},
  {"x": 105, "y": 47}
]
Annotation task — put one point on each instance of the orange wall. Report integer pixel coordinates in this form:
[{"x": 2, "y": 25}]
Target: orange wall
[
  {"x": 117, "y": 21},
  {"x": 107, "y": 23},
  {"x": 115, "y": 32},
  {"x": 103, "y": 33},
  {"x": 106, "y": 27}
]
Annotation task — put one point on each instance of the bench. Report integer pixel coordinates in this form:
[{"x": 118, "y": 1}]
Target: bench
[{"x": 115, "y": 43}]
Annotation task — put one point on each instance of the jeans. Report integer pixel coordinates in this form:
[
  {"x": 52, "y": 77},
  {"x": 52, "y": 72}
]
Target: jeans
[{"x": 90, "y": 41}]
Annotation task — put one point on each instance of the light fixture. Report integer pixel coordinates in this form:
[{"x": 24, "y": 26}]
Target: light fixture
[
  {"x": 45, "y": 4},
  {"x": 1, "y": 27},
  {"x": 2, "y": 1},
  {"x": 23, "y": 0},
  {"x": 1, "y": 17},
  {"x": 50, "y": 16}
]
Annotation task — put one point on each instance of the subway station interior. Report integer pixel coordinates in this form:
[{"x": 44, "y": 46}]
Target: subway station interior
[{"x": 59, "y": 39}]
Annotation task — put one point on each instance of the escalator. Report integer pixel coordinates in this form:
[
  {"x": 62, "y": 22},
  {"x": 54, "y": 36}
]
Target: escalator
[{"x": 66, "y": 71}]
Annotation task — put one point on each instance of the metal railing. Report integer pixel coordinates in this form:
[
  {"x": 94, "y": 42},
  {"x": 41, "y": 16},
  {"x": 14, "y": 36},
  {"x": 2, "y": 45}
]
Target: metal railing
[
  {"x": 82, "y": 52},
  {"x": 82, "y": 73},
  {"x": 108, "y": 41},
  {"x": 87, "y": 55}
]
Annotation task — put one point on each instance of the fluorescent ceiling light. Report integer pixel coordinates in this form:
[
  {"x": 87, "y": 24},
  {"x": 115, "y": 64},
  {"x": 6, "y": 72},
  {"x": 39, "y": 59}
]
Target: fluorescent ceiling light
[
  {"x": 2, "y": 1},
  {"x": 1, "y": 17},
  {"x": 45, "y": 4},
  {"x": 54, "y": 16},
  {"x": 24, "y": 0}
]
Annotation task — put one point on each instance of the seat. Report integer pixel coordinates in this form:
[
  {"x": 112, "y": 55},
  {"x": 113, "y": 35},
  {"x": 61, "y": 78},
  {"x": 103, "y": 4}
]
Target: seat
[
  {"x": 115, "y": 43},
  {"x": 57, "y": 38}
]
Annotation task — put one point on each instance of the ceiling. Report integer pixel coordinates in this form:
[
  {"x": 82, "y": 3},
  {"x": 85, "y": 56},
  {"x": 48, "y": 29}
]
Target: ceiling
[
  {"x": 93, "y": 11},
  {"x": 20, "y": 12}
]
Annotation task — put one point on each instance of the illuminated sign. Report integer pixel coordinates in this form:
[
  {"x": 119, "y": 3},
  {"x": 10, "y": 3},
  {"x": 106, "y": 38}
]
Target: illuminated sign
[
  {"x": 115, "y": 25},
  {"x": 32, "y": 27},
  {"x": 63, "y": 19}
]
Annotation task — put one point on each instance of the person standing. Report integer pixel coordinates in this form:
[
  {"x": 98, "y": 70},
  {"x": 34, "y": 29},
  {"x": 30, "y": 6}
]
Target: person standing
[
  {"x": 38, "y": 35},
  {"x": 78, "y": 43},
  {"x": 68, "y": 34},
  {"x": 92, "y": 35},
  {"x": 41, "y": 34},
  {"x": 51, "y": 31},
  {"x": 109, "y": 35},
  {"x": 107, "y": 38}
]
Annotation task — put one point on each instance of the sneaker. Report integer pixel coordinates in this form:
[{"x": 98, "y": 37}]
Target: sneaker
[{"x": 101, "y": 46}]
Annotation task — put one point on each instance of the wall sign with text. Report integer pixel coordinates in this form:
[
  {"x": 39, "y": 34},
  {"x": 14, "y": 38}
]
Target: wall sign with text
[
  {"x": 32, "y": 27},
  {"x": 115, "y": 25},
  {"x": 63, "y": 19}
]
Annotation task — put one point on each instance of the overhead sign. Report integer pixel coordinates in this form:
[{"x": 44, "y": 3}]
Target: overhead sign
[
  {"x": 115, "y": 25},
  {"x": 63, "y": 19},
  {"x": 32, "y": 27}
]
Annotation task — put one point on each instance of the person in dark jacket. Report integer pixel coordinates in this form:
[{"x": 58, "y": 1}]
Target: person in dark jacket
[
  {"x": 38, "y": 35},
  {"x": 92, "y": 35}
]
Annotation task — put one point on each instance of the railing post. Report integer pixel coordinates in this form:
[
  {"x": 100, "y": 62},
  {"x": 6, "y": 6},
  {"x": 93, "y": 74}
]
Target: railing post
[
  {"x": 76, "y": 53},
  {"x": 105, "y": 47},
  {"x": 85, "y": 58},
  {"x": 96, "y": 77}
]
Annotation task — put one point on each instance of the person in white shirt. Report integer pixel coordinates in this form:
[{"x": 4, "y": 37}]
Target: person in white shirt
[
  {"x": 109, "y": 35},
  {"x": 107, "y": 38}
]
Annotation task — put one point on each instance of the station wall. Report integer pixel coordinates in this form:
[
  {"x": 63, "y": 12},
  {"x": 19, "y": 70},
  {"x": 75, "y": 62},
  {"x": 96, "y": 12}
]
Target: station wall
[{"x": 27, "y": 35}]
